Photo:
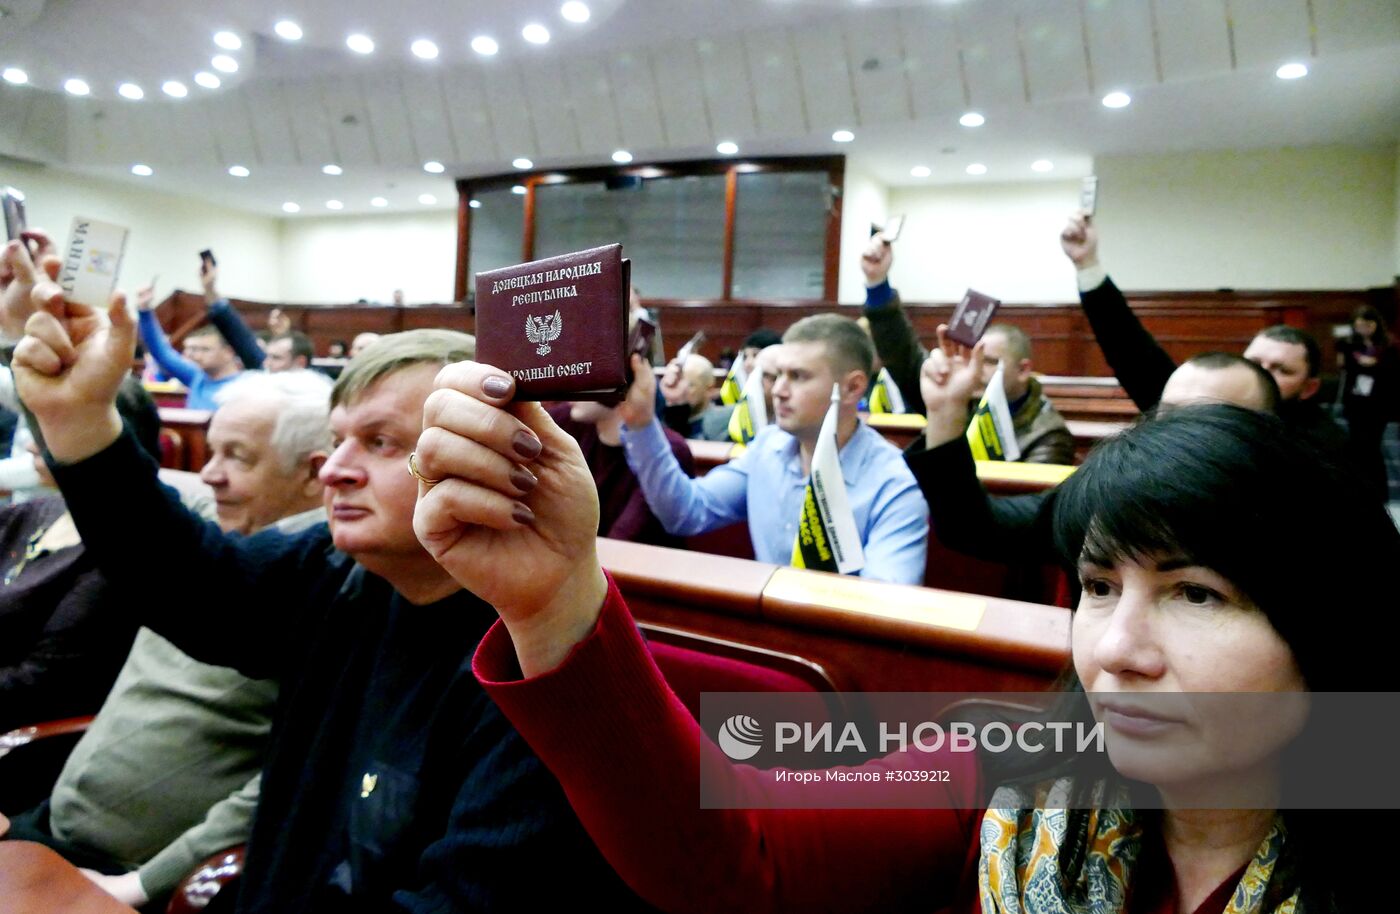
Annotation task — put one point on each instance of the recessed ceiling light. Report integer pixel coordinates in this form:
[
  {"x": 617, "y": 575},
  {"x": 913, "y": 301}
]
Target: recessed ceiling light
[
  {"x": 131, "y": 91},
  {"x": 475, "y": 204},
  {"x": 290, "y": 207},
  {"x": 332, "y": 170},
  {"x": 239, "y": 171},
  {"x": 921, "y": 171},
  {"x": 228, "y": 41},
  {"x": 334, "y": 204},
  {"x": 485, "y": 46},
  {"x": 427, "y": 199},
  {"x": 972, "y": 119},
  {"x": 535, "y": 33},
  {"x": 434, "y": 168},
  {"x": 977, "y": 168},
  {"x": 1292, "y": 71},
  {"x": 142, "y": 171},
  {"x": 1042, "y": 165},
  {"x": 1117, "y": 100},
  {"x": 224, "y": 63},
  {"x": 208, "y": 80},
  {"x": 378, "y": 201},
  {"x": 288, "y": 30},
  {"x": 727, "y": 148},
  {"x": 16, "y": 75},
  {"x": 518, "y": 189},
  {"x": 843, "y": 136},
  {"x": 424, "y": 49},
  {"x": 574, "y": 11},
  {"x": 622, "y": 156},
  {"x": 76, "y": 87},
  {"x": 360, "y": 43},
  {"x": 523, "y": 163},
  {"x": 174, "y": 88}
]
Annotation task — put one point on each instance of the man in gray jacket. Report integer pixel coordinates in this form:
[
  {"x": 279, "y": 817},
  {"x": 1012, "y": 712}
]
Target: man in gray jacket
[{"x": 168, "y": 772}]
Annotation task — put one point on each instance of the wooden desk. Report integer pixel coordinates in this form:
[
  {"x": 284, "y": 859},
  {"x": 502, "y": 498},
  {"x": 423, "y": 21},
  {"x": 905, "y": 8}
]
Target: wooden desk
[{"x": 35, "y": 880}]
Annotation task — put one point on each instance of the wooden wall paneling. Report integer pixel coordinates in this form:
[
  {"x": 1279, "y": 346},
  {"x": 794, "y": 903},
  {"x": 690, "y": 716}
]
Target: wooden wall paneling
[
  {"x": 464, "y": 234},
  {"x": 731, "y": 205},
  {"x": 831, "y": 266},
  {"x": 438, "y": 317}
]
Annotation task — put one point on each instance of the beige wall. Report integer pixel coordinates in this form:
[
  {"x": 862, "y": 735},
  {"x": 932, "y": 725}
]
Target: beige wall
[
  {"x": 1315, "y": 218},
  {"x": 344, "y": 259},
  {"x": 167, "y": 232}
]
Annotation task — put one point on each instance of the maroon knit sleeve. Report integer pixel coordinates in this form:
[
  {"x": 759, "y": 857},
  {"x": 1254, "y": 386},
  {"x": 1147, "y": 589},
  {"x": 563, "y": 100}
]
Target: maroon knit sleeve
[{"x": 628, "y": 755}]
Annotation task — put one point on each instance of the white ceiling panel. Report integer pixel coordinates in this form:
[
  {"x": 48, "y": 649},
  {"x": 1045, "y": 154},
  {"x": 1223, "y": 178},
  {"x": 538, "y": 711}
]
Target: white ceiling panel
[
  {"x": 472, "y": 126},
  {"x": 310, "y": 123},
  {"x": 931, "y": 51},
  {"x": 636, "y": 95},
  {"x": 989, "y": 57},
  {"x": 393, "y": 134},
  {"x": 826, "y": 79},
  {"x": 349, "y": 121},
  {"x": 1271, "y": 32},
  {"x": 427, "y": 112},
  {"x": 15, "y": 105},
  {"x": 1348, "y": 25},
  {"x": 549, "y": 107},
  {"x": 875, "y": 55},
  {"x": 777, "y": 93},
  {"x": 1121, "y": 52},
  {"x": 272, "y": 123},
  {"x": 226, "y": 115},
  {"x": 595, "y": 111},
  {"x": 1193, "y": 38},
  {"x": 724, "y": 69},
  {"x": 681, "y": 98},
  {"x": 1052, "y": 43}
]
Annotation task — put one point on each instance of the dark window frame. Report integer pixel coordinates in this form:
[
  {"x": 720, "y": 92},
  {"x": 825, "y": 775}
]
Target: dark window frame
[{"x": 833, "y": 166}]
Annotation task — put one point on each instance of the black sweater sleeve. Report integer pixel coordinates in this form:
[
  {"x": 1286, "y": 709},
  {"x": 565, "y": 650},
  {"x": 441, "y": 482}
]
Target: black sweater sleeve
[
  {"x": 1010, "y": 528},
  {"x": 223, "y": 599},
  {"x": 231, "y": 326},
  {"x": 1140, "y": 363},
  {"x": 898, "y": 347}
]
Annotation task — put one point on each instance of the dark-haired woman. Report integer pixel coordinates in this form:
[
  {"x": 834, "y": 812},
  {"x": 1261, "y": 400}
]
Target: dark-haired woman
[
  {"x": 1195, "y": 581},
  {"x": 1370, "y": 367}
]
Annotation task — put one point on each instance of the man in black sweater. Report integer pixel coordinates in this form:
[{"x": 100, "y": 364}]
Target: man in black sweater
[
  {"x": 1143, "y": 366},
  {"x": 393, "y": 783}
]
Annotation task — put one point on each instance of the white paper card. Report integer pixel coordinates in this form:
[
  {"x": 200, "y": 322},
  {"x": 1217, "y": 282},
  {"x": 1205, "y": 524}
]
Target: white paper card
[{"x": 92, "y": 261}]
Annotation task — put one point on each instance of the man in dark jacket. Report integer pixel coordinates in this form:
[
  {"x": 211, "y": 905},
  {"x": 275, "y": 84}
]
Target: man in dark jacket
[
  {"x": 1143, "y": 366},
  {"x": 1041, "y": 432},
  {"x": 393, "y": 783}
]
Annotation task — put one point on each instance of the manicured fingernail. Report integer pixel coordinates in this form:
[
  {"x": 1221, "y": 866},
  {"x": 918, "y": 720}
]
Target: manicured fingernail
[
  {"x": 522, "y": 514},
  {"x": 527, "y": 445},
  {"x": 496, "y": 386},
  {"x": 523, "y": 479}
]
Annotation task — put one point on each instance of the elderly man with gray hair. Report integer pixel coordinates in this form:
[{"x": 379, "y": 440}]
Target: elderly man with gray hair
[{"x": 168, "y": 772}]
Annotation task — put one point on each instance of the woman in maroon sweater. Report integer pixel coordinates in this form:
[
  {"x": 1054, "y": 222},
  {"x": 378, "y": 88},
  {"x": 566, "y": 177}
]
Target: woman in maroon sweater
[{"x": 1195, "y": 581}]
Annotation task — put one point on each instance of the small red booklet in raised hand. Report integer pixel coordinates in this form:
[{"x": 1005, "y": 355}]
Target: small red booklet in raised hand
[
  {"x": 971, "y": 317},
  {"x": 559, "y": 325}
]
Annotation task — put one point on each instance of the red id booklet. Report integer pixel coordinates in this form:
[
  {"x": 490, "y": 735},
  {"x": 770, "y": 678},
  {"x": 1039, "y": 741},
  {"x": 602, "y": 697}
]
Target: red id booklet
[{"x": 558, "y": 325}]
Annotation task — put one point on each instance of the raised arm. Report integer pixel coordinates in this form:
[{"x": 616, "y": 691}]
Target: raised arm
[
  {"x": 593, "y": 706},
  {"x": 1141, "y": 365},
  {"x": 685, "y": 506},
  {"x": 228, "y": 321},
  {"x": 896, "y": 343},
  {"x": 67, "y": 370},
  {"x": 962, "y": 515},
  {"x": 158, "y": 344}
]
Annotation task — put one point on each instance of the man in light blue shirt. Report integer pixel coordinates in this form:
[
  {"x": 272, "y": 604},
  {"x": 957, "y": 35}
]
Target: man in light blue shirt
[{"x": 765, "y": 486}]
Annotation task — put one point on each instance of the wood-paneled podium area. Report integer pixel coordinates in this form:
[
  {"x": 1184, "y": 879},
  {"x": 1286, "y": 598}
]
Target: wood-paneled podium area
[{"x": 1185, "y": 323}]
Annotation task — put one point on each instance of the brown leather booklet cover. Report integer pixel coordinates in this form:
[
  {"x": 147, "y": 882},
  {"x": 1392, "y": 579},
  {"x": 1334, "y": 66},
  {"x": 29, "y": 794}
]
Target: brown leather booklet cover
[
  {"x": 971, "y": 317},
  {"x": 558, "y": 325}
]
